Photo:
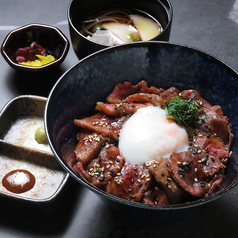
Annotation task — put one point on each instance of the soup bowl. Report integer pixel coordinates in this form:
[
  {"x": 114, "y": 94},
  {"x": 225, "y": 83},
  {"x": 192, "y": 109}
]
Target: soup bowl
[
  {"x": 161, "y": 64},
  {"x": 79, "y": 10}
]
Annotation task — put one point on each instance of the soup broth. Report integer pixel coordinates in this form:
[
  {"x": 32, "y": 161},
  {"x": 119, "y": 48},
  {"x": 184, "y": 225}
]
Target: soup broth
[{"x": 118, "y": 26}]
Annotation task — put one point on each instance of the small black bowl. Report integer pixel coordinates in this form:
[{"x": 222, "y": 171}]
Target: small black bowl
[
  {"x": 47, "y": 36},
  {"x": 79, "y": 10},
  {"x": 162, "y": 65}
]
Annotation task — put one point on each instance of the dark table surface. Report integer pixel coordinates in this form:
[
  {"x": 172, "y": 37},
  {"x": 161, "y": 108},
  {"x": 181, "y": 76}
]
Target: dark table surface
[{"x": 210, "y": 25}]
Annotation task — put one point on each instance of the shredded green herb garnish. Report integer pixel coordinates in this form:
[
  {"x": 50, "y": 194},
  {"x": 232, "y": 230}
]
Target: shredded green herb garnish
[{"x": 183, "y": 112}]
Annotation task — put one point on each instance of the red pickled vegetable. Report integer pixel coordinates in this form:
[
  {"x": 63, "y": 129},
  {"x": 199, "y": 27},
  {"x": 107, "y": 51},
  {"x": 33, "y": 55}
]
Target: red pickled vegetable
[
  {"x": 29, "y": 53},
  {"x": 20, "y": 59}
]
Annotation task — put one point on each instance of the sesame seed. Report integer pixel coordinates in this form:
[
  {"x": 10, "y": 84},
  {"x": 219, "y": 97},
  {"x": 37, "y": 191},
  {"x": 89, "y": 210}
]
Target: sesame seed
[
  {"x": 147, "y": 163},
  {"x": 91, "y": 138},
  {"x": 129, "y": 189},
  {"x": 107, "y": 146},
  {"x": 147, "y": 193},
  {"x": 169, "y": 179},
  {"x": 142, "y": 176},
  {"x": 224, "y": 160}
]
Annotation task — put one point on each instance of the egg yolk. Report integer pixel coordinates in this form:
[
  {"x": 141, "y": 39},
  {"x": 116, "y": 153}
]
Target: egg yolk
[{"x": 149, "y": 135}]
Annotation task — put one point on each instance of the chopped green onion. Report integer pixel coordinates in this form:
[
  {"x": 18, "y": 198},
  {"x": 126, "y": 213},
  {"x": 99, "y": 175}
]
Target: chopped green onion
[
  {"x": 183, "y": 112},
  {"x": 96, "y": 28}
]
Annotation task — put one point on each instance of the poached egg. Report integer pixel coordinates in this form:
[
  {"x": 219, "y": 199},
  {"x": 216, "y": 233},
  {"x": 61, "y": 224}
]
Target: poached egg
[{"x": 148, "y": 135}]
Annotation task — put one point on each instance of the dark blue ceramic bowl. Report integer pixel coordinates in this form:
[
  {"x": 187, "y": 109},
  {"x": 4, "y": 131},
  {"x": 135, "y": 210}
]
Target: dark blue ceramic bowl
[{"x": 160, "y": 64}]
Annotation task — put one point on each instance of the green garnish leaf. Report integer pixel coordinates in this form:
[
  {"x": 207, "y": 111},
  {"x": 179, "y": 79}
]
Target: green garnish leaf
[
  {"x": 132, "y": 36},
  {"x": 184, "y": 112}
]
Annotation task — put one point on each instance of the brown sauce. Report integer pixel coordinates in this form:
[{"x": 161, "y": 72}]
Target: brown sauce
[{"x": 18, "y": 181}]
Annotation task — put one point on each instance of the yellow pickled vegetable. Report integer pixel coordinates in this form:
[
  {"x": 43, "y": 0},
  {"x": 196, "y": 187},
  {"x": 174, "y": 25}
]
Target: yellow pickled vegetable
[{"x": 41, "y": 60}]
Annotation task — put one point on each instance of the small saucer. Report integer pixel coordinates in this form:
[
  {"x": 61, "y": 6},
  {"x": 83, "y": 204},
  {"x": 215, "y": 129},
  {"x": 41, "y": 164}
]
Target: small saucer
[{"x": 49, "y": 37}]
